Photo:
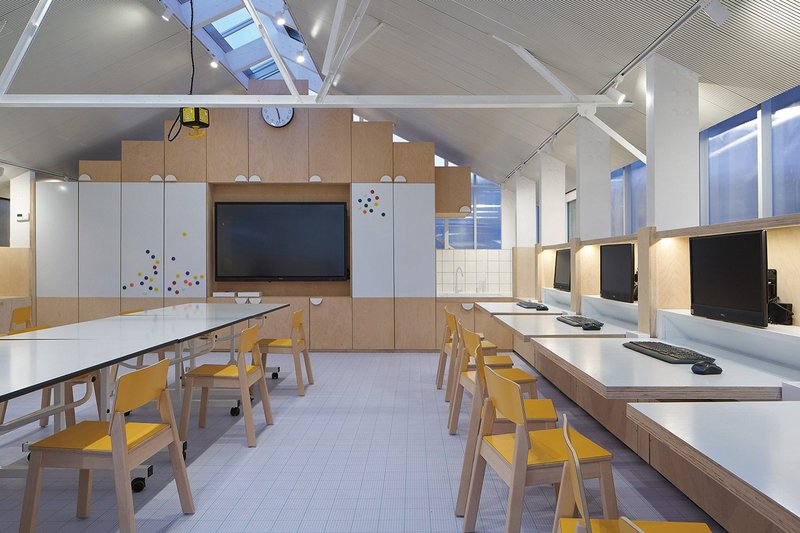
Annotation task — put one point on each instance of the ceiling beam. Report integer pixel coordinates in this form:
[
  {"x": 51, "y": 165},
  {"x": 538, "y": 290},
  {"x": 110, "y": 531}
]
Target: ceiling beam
[
  {"x": 24, "y": 42},
  {"x": 286, "y": 74},
  {"x": 333, "y": 36},
  {"x": 588, "y": 112},
  {"x": 539, "y": 67},
  {"x": 154, "y": 101},
  {"x": 339, "y": 58}
]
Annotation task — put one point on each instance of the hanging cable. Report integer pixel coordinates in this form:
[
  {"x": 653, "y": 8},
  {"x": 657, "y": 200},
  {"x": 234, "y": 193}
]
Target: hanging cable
[{"x": 173, "y": 134}]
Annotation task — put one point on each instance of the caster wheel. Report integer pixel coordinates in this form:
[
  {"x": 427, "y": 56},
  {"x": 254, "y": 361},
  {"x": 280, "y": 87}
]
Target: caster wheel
[
  {"x": 234, "y": 411},
  {"x": 274, "y": 375},
  {"x": 127, "y": 413},
  {"x": 138, "y": 484},
  {"x": 29, "y": 457}
]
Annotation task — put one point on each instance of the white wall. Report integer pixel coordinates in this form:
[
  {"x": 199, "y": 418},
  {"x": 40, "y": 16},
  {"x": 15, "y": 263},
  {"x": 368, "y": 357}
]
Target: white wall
[
  {"x": 20, "y": 232},
  {"x": 508, "y": 218},
  {"x": 484, "y": 272}
]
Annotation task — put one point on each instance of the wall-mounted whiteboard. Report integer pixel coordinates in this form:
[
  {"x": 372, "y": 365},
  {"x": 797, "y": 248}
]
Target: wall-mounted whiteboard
[
  {"x": 414, "y": 243},
  {"x": 99, "y": 239},
  {"x": 56, "y": 239},
  {"x": 185, "y": 240},
  {"x": 142, "y": 267},
  {"x": 372, "y": 243}
]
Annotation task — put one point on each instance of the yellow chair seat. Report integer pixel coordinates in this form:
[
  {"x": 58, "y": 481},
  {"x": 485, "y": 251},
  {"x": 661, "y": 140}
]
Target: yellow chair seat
[
  {"x": 537, "y": 410},
  {"x": 94, "y": 437},
  {"x": 219, "y": 371},
  {"x": 276, "y": 343},
  {"x": 548, "y": 446},
  {"x": 486, "y": 345},
  {"x": 612, "y": 526},
  {"x": 514, "y": 374},
  {"x": 498, "y": 360}
]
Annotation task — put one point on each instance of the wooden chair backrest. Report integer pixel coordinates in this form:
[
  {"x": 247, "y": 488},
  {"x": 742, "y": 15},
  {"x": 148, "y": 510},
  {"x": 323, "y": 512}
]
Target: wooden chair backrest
[
  {"x": 25, "y": 330},
  {"x": 140, "y": 387},
  {"x": 21, "y": 316},
  {"x": 472, "y": 349},
  {"x": 627, "y": 526},
  {"x": 132, "y": 311},
  {"x": 450, "y": 322},
  {"x": 505, "y": 396},
  {"x": 572, "y": 494},
  {"x": 298, "y": 331}
]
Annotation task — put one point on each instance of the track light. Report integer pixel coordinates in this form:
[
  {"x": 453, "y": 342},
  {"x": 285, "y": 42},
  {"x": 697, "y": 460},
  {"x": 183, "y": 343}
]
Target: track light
[
  {"x": 301, "y": 56},
  {"x": 716, "y": 11},
  {"x": 214, "y": 63},
  {"x": 615, "y": 95},
  {"x": 281, "y": 20},
  {"x": 167, "y": 14}
]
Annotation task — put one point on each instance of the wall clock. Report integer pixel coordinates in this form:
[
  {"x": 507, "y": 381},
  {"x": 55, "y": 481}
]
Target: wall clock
[{"x": 277, "y": 117}]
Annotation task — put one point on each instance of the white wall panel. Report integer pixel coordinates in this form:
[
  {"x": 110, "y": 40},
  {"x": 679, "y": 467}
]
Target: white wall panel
[
  {"x": 185, "y": 240},
  {"x": 414, "y": 243},
  {"x": 99, "y": 239},
  {"x": 142, "y": 240},
  {"x": 372, "y": 244},
  {"x": 56, "y": 239}
]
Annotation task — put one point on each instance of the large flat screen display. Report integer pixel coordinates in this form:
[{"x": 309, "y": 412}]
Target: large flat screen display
[
  {"x": 281, "y": 241},
  {"x": 729, "y": 277},
  {"x": 561, "y": 276},
  {"x": 617, "y": 272}
]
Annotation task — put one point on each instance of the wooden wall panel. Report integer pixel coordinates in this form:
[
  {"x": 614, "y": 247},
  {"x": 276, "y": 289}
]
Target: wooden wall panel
[
  {"x": 330, "y": 324},
  {"x": 524, "y": 272},
  {"x": 15, "y": 276},
  {"x": 493, "y": 331},
  {"x": 329, "y": 144},
  {"x": 453, "y": 191},
  {"x": 101, "y": 170},
  {"x": 142, "y": 159},
  {"x": 184, "y": 157},
  {"x": 414, "y": 161},
  {"x": 373, "y": 152},
  {"x": 95, "y": 308},
  {"x": 278, "y": 325},
  {"x": 415, "y": 324},
  {"x": 373, "y": 323},
  {"x": 227, "y": 145},
  {"x": 783, "y": 248},
  {"x": 56, "y": 311}
]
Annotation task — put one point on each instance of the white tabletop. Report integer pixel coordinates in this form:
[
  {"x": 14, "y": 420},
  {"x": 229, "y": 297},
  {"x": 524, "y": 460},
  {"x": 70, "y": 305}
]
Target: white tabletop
[
  {"x": 754, "y": 441},
  {"x": 204, "y": 310},
  {"x": 544, "y": 326},
  {"x": 618, "y": 372},
  {"x": 511, "y": 308}
]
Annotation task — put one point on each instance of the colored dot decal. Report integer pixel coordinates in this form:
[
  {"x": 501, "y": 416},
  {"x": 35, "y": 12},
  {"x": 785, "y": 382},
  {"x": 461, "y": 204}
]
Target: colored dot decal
[
  {"x": 177, "y": 291},
  {"x": 149, "y": 288},
  {"x": 147, "y": 251},
  {"x": 140, "y": 274},
  {"x": 383, "y": 214},
  {"x": 158, "y": 261},
  {"x": 169, "y": 289},
  {"x": 187, "y": 272},
  {"x": 375, "y": 204},
  {"x": 177, "y": 275},
  {"x": 377, "y": 197},
  {"x": 197, "y": 283},
  {"x": 202, "y": 276},
  {"x": 124, "y": 287},
  {"x": 174, "y": 282},
  {"x": 146, "y": 277},
  {"x": 155, "y": 272},
  {"x": 372, "y": 191},
  {"x": 183, "y": 234},
  {"x": 152, "y": 257},
  {"x": 369, "y": 200},
  {"x": 155, "y": 267},
  {"x": 370, "y": 210},
  {"x": 131, "y": 285},
  {"x": 156, "y": 289},
  {"x": 173, "y": 259},
  {"x": 365, "y": 212},
  {"x": 141, "y": 283},
  {"x": 359, "y": 200},
  {"x": 195, "y": 277}
]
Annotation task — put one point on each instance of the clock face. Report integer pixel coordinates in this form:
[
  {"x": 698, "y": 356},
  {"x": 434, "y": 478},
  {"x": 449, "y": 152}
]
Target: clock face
[{"x": 277, "y": 117}]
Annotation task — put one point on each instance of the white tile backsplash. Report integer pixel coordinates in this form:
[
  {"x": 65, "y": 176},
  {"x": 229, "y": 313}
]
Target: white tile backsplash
[{"x": 484, "y": 271}]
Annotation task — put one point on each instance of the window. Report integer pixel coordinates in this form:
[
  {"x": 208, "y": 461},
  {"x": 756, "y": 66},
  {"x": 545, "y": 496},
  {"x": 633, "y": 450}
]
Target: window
[
  {"x": 786, "y": 153},
  {"x": 618, "y": 202},
  {"x": 638, "y": 176},
  {"x": 572, "y": 219},
  {"x": 733, "y": 169},
  {"x": 481, "y": 229}
]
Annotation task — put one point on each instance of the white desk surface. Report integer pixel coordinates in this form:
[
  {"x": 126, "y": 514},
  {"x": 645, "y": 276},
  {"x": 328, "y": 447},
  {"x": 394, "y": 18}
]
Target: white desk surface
[
  {"x": 544, "y": 326},
  {"x": 754, "y": 441},
  {"x": 511, "y": 308},
  {"x": 618, "y": 372},
  {"x": 204, "y": 310}
]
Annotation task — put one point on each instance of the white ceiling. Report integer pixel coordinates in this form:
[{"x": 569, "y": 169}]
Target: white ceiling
[{"x": 426, "y": 47}]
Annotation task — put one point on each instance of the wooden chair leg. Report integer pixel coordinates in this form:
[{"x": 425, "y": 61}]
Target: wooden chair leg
[
  {"x": 530, "y": 389},
  {"x": 608, "y": 494},
  {"x": 516, "y": 492},
  {"x": 203, "y": 407},
  {"x": 181, "y": 477},
  {"x": 450, "y": 387},
  {"x": 475, "y": 488},
  {"x": 469, "y": 454},
  {"x": 46, "y": 392},
  {"x": 265, "y": 403},
  {"x": 298, "y": 371},
  {"x": 84, "y": 493},
  {"x": 455, "y": 409},
  {"x": 309, "y": 373},
  {"x": 30, "y": 500},
  {"x": 140, "y": 361},
  {"x": 247, "y": 411},
  {"x": 69, "y": 397},
  {"x": 97, "y": 392},
  {"x": 186, "y": 409},
  {"x": 122, "y": 487},
  {"x": 440, "y": 369},
  {"x": 3, "y": 407}
]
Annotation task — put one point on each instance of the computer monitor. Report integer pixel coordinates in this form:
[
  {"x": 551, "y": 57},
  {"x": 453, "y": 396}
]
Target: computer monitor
[
  {"x": 617, "y": 272},
  {"x": 561, "y": 276},
  {"x": 729, "y": 277}
]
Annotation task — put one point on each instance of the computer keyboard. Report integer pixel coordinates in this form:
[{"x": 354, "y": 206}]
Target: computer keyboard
[
  {"x": 578, "y": 321},
  {"x": 667, "y": 352},
  {"x": 528, "y": 305}
]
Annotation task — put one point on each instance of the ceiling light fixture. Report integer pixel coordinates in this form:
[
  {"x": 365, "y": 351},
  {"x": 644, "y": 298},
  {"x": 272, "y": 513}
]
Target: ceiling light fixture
[
  {"x": 716, "y": 11},
  {"x": 281, "y": 20},
  {"x": 615, "y": 94},
  {"x": 167, "y": 16},
  {"x": 214, "y": 62},
  {"x": 301, "y": 56}
]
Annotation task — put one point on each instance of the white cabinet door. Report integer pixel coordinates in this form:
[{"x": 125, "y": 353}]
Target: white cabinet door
[
  {"x": 142, "y": 240},
  {"x": 372, "y": 244},
  {"x": 185, "y": 240},
  {"x": 99, "y": 239},
  {"x": 414, "y": 243},
  {"x": 56, "y": 239}
]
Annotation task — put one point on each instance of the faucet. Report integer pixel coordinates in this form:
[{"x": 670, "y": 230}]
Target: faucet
[{"x": 459, "y": 270}]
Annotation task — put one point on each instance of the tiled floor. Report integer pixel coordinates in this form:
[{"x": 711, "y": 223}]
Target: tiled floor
[{"x": 365, "y": 450}]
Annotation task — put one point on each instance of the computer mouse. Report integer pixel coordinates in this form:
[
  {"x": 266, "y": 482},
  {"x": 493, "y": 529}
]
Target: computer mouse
[
  {"x": 703, "y": 368},
  {"x": 542, "y": 307},
  {"x": 591, "y": 327}
]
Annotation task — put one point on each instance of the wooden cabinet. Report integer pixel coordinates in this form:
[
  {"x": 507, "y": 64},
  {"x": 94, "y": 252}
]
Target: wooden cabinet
[
  {"x": 415, "y": 323},
  {"x": 330, "y": 323},
  {"x": 142, "y": 159},
  {"x": 278, "y": 324},
  {"x": 414, "y": 162},
  {"x": 329, "y": 145},
  {"x": 453, "y": 192},
  {"x": 372, "y": 151},
  {"x": 185, "y": 156},
  {"x": 373, "y": 323},
  {"x": 227, "y": 145},
  {"x": 101, "y": 170},
  {"x": 464, "y": 311}
]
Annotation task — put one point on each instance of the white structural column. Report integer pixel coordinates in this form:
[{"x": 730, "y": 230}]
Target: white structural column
[
  {"x": 593, "y": 181},
  {"x": 673, "y": 153},
  {"x": 508, "y": 217},
  {"x": 552, "y": 207},
  {"x": 525, "y": 202}
]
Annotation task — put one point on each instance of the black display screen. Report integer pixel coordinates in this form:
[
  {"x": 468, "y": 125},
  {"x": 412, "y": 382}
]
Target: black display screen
[
  {"x": 617, "y": 269},
  {"x": 729, "y": 277},
  {"x": 561, "y": 277},
  {"x": 281, "y": 241}
]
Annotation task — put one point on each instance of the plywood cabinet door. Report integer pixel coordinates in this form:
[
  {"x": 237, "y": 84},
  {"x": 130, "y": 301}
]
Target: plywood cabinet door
[
  {"x": 227, "y": 145},
  {"x": 329, "y": 144},
  {"x": 142, "y": 257},
  {"x": 185, "y": 156},
  {"x": 101, "y": 170},
  {"x": 415, "y": 323},
  {"x": 278, "y": 324},
  {"x": 330, "y": 324},
  {"x": 373, "y": 323},
  {"x": 453, "y": 192},
  {"x": 142, "y": 159},
  {"x": 413, "y": 162},
  {"x": 184, "y": 240},
  {"x": 373, "y": 153}
]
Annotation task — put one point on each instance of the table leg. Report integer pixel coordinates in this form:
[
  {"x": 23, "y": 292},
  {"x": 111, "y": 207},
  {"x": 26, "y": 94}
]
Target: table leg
[
  {"x": 233, "y": 345},
  {"x": 176, "y": 389},
  {"x": 105, "y": 382},
  {"x": 59, "y": 422}
]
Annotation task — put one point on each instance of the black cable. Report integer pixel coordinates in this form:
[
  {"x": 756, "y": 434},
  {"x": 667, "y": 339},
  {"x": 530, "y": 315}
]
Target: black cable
[{"x": 172, "y": 135}]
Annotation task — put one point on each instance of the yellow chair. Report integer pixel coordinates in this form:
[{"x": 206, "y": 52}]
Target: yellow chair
[
  {"x": 527, "y": 458},
  {"x": 572, "y": 495},
  {"x": 539, "y": 414},
  {"x": 449, "y": 340},
  {"x": 467, "y": 378},
  {"x": 295, "y": 346},
  {"x": 21, "y": 317},
  {"x": 239, "y": 376},
  {"x": 117, "y": 446}
]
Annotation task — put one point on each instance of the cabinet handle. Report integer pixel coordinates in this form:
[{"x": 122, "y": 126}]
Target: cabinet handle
[
  {"x": 400, "y": 179},
  {"x": 155, "y": 177},
  {"x": 84, "y": 177},
  {"x": 464, "y": 209},
  {"x": 315, "y": 179},
  {"x": 315, "y": 301},
  {"x": 386, "y": 179},
  {"x": 240, "y": 178},
  {"x": 255, "y": 179},
  {"x": 467, "y": 307},
  {"x": 240, "y": 300},
  {"x": 170, "y": 177}
]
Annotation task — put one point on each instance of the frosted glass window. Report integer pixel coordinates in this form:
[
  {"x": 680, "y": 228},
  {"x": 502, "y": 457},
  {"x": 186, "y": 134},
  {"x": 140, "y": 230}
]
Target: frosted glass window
[
  {"x": 439, "y": 162},
  {"x": 486, "y": 207},
  {"x": 786, "y": 155},
  {"x": 638, "y": 177},
  {"x": 733, "y": 169},
  {"x": 617, "y": 202},
  {"x": 572, "y": 219},
  {"x": 462, "y": 233},
  {"x": 439, "y": 233}
]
